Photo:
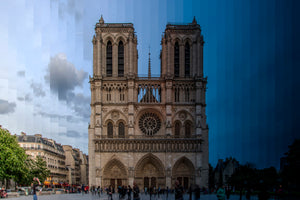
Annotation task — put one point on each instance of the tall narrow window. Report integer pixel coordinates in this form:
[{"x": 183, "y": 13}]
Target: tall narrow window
[
  {"x": 177, "y": 129},
  {"x": 121, "y": 59},
  {"x": 187, "y": 95},
  {"x": 177, "y": 94},
  {"x": 109, "y": 59},
  {"x": 176, "y": 60},
  {"x": 187, "y": 59},
  {"x": 110, "y": 130},
  {"x": 187, "y": 129},
  {"x": 121, "y": 130}
]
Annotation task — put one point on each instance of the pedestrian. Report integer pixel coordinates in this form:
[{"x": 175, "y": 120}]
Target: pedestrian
[
  {"x": 151, "y": 192},
  {"x": 82, "y": 189},
  {"x": 110, "y": 191},
  {"x": 248, "y": 194},
  {"x": 136, "y": 192},
  {"x": 167, "y": 192},
  {"x": 99, "y": 190},
  {"x": 36, "y": 182},
  {"x": 178, "y": 191},
  {"x": 197, "y": 192},
  {"x": 228, "y": 192},
  {"x": 221, "y": 193},
  {"x": 190, "y": 192},
  {"x": 129, "y": 190}
]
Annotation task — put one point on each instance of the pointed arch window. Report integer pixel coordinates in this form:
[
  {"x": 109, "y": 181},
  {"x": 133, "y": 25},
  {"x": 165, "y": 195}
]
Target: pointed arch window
[
  {"x": 121, "y": 130},
  {"x": 177, "y": 94},
  {"x": 177, "y": 129},
  {"x": 110, "y": 130},
  {"x": 121, "y": 59},
  {"x": 109, "y": 59},
  {"x": 176, "y": 59},
  {"x": 187, "y": 59},
  {"x": 188, "y": 129}
]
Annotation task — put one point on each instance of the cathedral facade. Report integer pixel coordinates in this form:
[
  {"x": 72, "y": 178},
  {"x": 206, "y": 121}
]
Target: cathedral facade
[{"x": 148, "y": 130}]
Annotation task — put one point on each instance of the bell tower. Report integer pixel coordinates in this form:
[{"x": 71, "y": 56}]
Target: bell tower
[
  {"x": 182, "y": 51},
  {"x": 114, "y": 50}
]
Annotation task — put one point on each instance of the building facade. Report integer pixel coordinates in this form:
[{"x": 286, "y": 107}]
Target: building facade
[
  {"x": 64, "y": 162},
  {"x": 224, "y": 170},
  {"x": 148, "y": 130}
]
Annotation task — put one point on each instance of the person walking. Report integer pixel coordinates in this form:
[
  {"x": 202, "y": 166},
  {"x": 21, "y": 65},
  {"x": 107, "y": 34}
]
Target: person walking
[
  {"x": 136, "y": 192},
  {"x": 197, "y": 192},
  {"x": 110, "y": 191},
  {"x": 36, "y": 182},
  {"x": 221, "y": 193},
  {"x": 178, "y": 191},
  {"x": 228, "y": 192},
  {"x": 129, "y": 190}
]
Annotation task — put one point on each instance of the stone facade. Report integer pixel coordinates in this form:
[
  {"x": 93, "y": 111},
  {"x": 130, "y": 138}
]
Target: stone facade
[
  {"x": 151, "y": 130},
  {"x": 66, "y": 165},
  {"x": 224, "y": 170}
]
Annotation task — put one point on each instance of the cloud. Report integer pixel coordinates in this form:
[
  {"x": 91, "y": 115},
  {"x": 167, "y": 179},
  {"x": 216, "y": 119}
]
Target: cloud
[
  {"x": 71, "y": 9},
  {"x": 69, "y": 118},
  {"x": 27, "y": 98},
  {"x": 21, "y": 73},
  {"x": 71, "y": 134},
  {"x": 63, "y": 77},
  {"x": 37, "y": 89},
  {"x": 6, "y": 107},
  {"x": 80, "y": 104}
]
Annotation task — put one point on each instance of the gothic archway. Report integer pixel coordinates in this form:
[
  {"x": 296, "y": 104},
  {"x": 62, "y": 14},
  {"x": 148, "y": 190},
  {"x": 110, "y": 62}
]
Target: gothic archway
[
  {"x": 150, "y": 172},
  {"x": 184, "y": 171},
  {"x": 114, "y": 174}
]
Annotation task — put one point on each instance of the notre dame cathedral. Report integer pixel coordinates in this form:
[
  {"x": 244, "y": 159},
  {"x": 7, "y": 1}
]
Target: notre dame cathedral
[{"x": 148, "y": 130}]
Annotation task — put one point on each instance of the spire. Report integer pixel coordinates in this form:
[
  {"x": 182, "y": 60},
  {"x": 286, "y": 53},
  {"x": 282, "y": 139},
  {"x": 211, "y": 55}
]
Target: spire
[
  {"x": 101, "y": 21},
  {"x": 194, "y": 20},
  {"x": 149, "y": 65}
]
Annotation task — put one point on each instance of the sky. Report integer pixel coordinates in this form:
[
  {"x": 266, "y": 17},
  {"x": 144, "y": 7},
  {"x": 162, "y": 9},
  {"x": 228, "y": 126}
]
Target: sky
[{"x": 251, "y": 60}]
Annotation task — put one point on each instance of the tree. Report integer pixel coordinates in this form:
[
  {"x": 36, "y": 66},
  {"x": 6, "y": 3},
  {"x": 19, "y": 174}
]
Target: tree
[
  {"x": 291, "y": 173},
  {"x": 39, "y": 169},
  {"x": 12, "y": 158},
  {"x": 244, "y": 176}
]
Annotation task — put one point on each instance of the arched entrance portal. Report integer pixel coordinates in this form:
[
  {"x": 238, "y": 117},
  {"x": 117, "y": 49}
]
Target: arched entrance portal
[
  {"x": 114, "y": 174},
  {"x": 150, "y": 172},
  {"x": 184, "y": 171}
]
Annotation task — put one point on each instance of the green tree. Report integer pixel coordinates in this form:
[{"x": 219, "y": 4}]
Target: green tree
[
  {"x": 244, "y": 176},
  {"x": 291, "y": 173},
  {"x": 39, "y": 169},
  {"x": 12, "y": 159}
]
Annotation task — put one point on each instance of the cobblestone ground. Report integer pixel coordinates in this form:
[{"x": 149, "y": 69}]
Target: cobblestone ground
[{"x": 116, "y": 197}]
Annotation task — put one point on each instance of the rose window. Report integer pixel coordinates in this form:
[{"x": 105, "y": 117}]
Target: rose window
[{"x": 149, "y": 123}]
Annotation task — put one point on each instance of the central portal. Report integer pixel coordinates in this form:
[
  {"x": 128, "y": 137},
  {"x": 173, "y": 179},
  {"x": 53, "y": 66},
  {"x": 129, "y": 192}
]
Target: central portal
[{"x": 150, "y": 172}]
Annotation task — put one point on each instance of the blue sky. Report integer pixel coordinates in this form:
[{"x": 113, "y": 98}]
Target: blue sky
[{"x": 251, "y": 59}]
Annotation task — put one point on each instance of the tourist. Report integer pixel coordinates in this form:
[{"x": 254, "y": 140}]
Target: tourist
[
  {"x": 110, "y": 191},
  {"x": 129, "y": 190},
  {"x": 136, "y": 192},
  {"x": 36, "y": 182},
  {"x": 178, "y": 191},
  {"x": 221, "y": 193},
  {"x": 197, "y": 192}
]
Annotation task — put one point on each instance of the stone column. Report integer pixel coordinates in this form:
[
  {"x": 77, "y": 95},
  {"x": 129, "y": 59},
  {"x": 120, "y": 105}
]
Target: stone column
[{"x": 91, "y": 148}]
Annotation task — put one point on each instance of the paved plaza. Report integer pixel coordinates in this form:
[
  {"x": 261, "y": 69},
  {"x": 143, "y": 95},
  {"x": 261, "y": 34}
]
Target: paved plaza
[{"x": 116, "y": 197}]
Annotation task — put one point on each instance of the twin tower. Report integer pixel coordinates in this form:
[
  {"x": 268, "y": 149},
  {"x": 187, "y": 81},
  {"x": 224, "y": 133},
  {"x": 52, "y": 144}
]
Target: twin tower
[{"x": 148, "y": 130}]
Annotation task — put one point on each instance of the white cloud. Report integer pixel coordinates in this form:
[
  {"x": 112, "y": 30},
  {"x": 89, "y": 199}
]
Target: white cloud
[
  {"x": 63, "y": 77},
  {"x": 7, "y": 107}
]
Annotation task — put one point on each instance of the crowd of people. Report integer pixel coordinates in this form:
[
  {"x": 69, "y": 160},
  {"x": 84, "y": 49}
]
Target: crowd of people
[
  {"x": 128, "y": 192},
  {"x": 3, "y": 193}
]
